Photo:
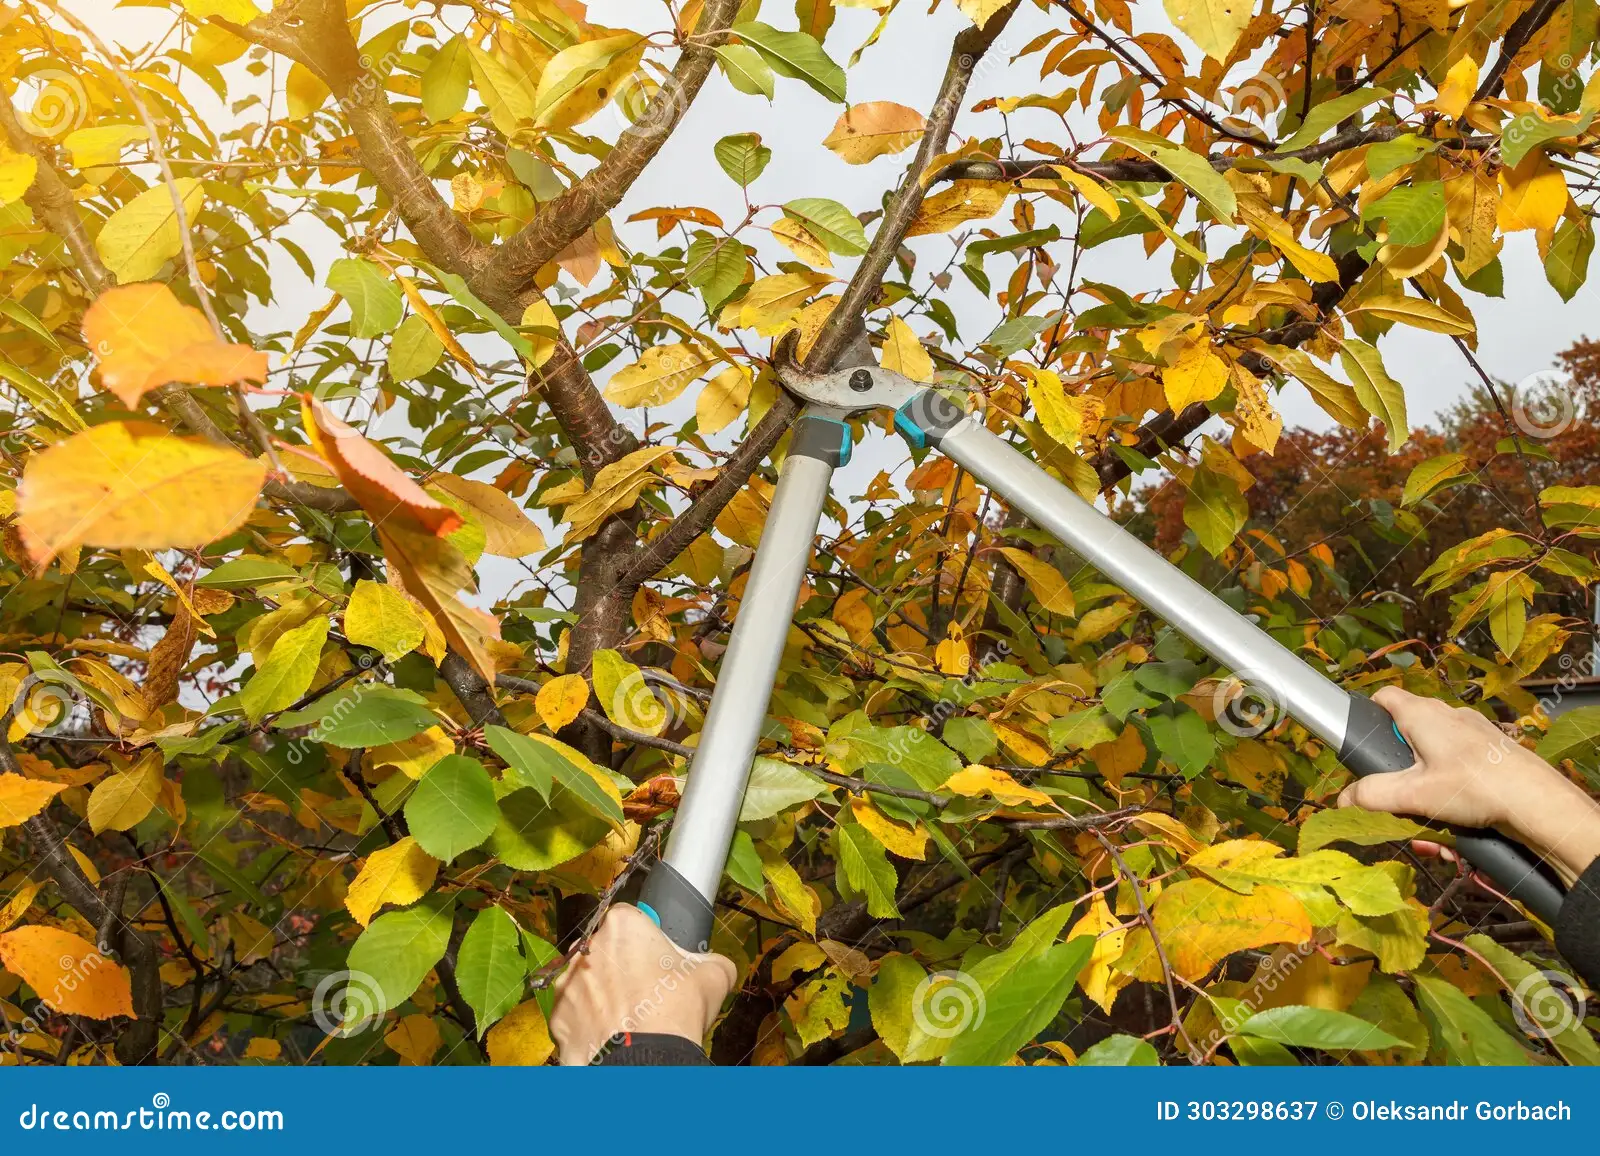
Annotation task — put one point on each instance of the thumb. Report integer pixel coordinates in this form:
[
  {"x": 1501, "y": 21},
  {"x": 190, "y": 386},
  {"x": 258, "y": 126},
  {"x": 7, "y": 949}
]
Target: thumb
[{"x": 1393, "y": 791}]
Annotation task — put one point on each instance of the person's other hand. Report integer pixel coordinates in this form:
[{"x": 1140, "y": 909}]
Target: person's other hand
[
  {"x": 1470, "y": 773},
  {"x": 635, "y": 979}
]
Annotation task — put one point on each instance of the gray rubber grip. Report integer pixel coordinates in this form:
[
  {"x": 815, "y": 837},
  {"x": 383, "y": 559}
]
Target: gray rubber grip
[
  {"x": 680, "y": 911},
  {"x": 1373, "y": 746}
]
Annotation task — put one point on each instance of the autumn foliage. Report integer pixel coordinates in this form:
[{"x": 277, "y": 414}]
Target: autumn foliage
[{"x": 358, "y": 638}]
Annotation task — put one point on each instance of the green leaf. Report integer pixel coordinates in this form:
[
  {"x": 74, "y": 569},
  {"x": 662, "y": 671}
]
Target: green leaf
[
  {"x": 529, "y": 763},
  {"x": 1555, "y": 1011},
  {"x": 1433, "y": 475},
  {"x": 375, "y": 300},
  {"x": 745, "y": 69},
  {"x": 363, "y": 714},
  {"x": 446, "y": 79},
  {"x": 1575, "y": 735},
  {"x": 716, "y": 266},
  {"x": 1120, "y": 1051},
  {"x": 414, "y": 351},
  {"x": 453, "y": 808},
  {"x": 287, "y": 673},
  {"x": 1414, "y": 214},
  {"x": 742, "y": 156},
  {"x": 1324, "y": 116},
  {"x": 831, "y": 223},
  {"x": 866, "y": 868},
  {"x": 1354, "y": 825},
  {"x": 1465, "y": 1032},
  {"x": 1316, "y": 1027},
  {"x": 975, "y": 738},
  {"x": 1193, "y": 170},
  {"x": 744, "y": 863},
  {"x": 1380, "y": 395},
  {"x": 774, "y": 787},
  {"x": 490, "y": 968},
  {"x": 796, "y": 55},
  {"x": 247, "y": 571},
  {"x": 392, "y": 957},
  {"x": 1184, "y": 739},
  {"x": 143, "y": 235},
  {"x": 1522, "y": 134},
  {"x": 1566, "y": 265},
  {"x": 1021, "y": 1003},
  {"x": 1215, "y": 510},
  {"x": 1386, "y": 156},
  {"x": 891, "y": 998},
  {"x": 533, "y": 835}
]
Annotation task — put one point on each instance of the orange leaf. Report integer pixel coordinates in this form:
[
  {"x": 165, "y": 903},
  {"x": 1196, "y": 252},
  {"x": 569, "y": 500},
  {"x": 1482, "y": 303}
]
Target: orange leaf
[
  {"x": 145, "y": 337},
  {"x": 67, "y": 972},
  {"x": 386, "y": 492}
]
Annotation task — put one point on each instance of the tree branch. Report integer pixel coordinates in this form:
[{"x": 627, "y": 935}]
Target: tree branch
[
  {"x": 504, "y": 279},
  {"x": 1516, "y": 39}
]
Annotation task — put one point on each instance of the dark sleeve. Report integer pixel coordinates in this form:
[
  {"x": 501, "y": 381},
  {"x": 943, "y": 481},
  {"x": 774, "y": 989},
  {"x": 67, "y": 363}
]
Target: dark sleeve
[
  {"x": 1578, "y": 926},
  {"x": 644, "y": 1049}
]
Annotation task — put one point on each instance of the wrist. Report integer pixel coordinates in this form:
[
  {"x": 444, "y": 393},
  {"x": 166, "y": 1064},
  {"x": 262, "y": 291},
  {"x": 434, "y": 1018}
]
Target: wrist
[{"x": 1558, "y": 821}]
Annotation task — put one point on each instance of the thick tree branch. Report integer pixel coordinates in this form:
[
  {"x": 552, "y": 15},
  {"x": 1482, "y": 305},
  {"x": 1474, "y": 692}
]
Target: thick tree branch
[
  {"x": 504, "y": 280},
  {"x": 1517, "y": 36},
  {"x": 965, "y": 53}
]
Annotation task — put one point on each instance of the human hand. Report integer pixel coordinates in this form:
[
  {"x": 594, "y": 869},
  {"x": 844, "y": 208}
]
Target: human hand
[
  {"x": 635, "y": 979},
  {"x": 1469, "y": 772}
]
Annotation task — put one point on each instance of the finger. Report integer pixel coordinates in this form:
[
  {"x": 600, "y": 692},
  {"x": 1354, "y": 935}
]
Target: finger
[
  {"x": 1431, "y": 850},
  {"x": 1394, "y": 792}
]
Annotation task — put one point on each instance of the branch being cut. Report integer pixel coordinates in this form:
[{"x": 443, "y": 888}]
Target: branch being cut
[
  {"x": 504, "y": 280},
  {"x": 965, "y": 53}
]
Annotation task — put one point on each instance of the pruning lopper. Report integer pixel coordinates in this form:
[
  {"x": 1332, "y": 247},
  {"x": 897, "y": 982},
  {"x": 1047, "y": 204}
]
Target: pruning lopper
[{"x": 682, "y": 887}]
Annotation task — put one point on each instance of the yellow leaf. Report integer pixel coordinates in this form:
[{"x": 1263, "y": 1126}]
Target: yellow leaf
[
  {"x": 435, "y": 573},
  {"x": 1063, "y": 417},
  {"x": 907, "y": 842},
  {"x": 561, "y": 700},
  {"x": 121, "y": 801},
  {"x": 623, "y": 693},
  {"x": 800, "y": 241},
  {"x": 397, "y": 875},
  {"x": 616, "y": 487},
  {"x": 132, "y": 484},
  {"x": 963, "y": 201},
  {"x": 1198, "y": 375},
  {"x": 904, "y": 354},
  {"x": 790, "y": 893},
  {"x": 1201, "y": 923},
  {"x": 21, "y": 799},
  {"x": 979, "y": 11},
  {"x": 772, "y": 302},
  {"x": 660, "y": 375},
  {"x": 508, "y": 530},
  {"x": 1097, "y": 979},
  {"x": 17, "y": 906},
  {"x": 383, "y": 618},
  {"x": 1533, "y": 195},
  {"x": 436, "y": 324},
  {"x": 1044, "y": 580},
  {"x": 579, "y": 81},
  {"x": 1459, "y": 85},
  {"x": 975, "y": 781},
  {"x": 502, "y": 89},
  {"x": 67, "y": 973},
  {"x": 1273, "y": 229},
  {"x": 952, "y": 655},
  {"x": 17, "y": 171},
  {"x": 1214, "y": 25},
  {"x": 723, "y": 399},
  {"x": 143, "y": 235},
  {"x": 102, "y": 144},
  {"x": 878, "y": 128},
  {"x": 262, "y": 1048},
  {"x": 1257, "y": 419},
  {"x": 144, "y": 337},
  {"x": 540, "y": 315},
  {"x": 1091, "y": 190},
  {"x": 521, "y": 1039},
  {"x": 414, "y": 756},
  {"x": 414, "y": 1039}
]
